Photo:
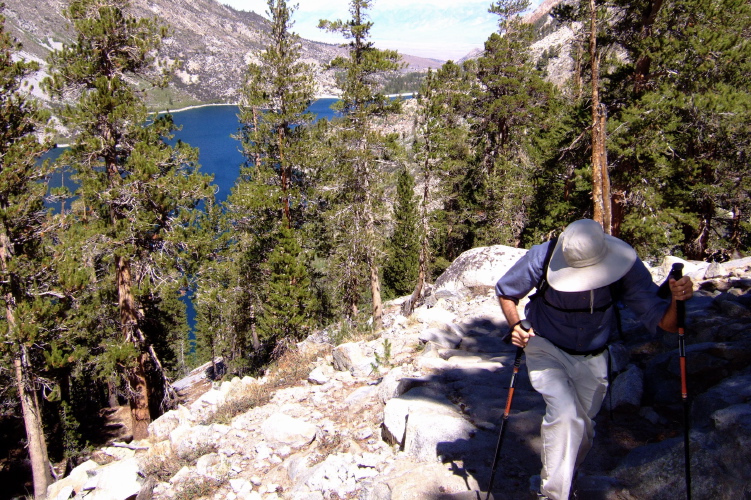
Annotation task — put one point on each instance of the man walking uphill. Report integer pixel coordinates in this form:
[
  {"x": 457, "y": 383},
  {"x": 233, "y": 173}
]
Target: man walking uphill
[{"x": 578, "y": 277}]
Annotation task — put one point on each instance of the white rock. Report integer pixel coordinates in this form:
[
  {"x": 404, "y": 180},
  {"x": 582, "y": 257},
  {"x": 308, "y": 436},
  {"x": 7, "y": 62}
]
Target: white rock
[
  {"x": 282, "y": 429},
  {"x": 240, "y": 486},
  {"x": 186, "y": 441},
  {"x": 64, "y": 494},
  {"x": 182, "y": 475},
  {"x": 262, "y": 451},
  {"x": 418, "y": 407},
  {"x": 213, "y": 465},
  {"x": 117, "y": 481},
  {"x": 432, "y": 429},
  {"x": 361, "y": 394},
  {"x": 335, "y": 474},
  {"x": 443, "y": 337},
  {"x": 118, "y": 453},
  {"x": 478, "y": 267},
  {"x": 363, "y": 472},
  {"x": 350, "y": 357},
  {"x": 76, "y": 479},
  {"x": 318, "y": 376}
]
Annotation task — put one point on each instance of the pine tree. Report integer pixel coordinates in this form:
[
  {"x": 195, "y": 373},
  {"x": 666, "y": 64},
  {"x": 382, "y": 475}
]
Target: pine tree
[
  {"x": 684, "y": 90},
  {"x": 354, "y": 180},
  {"x": 403, "y": 265},
  {"x": 272, "y": 189},
  {"x": 27, "y": 323},
  {"x": 217, "y": 291},
  {"x": 509, "y": 101},
  {"x": 286, "y": 315},
  {"x": 273, "y": 113},
  {"x": 445, "y": 152},
  {"x": 136, "y": 194}
]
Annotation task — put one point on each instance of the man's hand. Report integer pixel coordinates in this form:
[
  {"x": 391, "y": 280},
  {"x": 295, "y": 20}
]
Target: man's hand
[
  {"x": 519, "y": 337},
  {"x": 682, "y": 289}
]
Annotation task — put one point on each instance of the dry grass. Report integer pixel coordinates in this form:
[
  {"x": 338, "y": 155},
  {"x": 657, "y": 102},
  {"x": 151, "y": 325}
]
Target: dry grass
[
  {"x": 197, "y": 487},
  {"x": 328, "y": 444},
  {"x": 292, "y": 367},
  {"x": 161, "y": 467}
]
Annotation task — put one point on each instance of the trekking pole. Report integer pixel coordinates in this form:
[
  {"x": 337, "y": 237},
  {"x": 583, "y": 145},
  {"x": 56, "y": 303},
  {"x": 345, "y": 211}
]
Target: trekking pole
[
  {"x": 676, "y": 273},
  {"x": 526, "y": 325}
]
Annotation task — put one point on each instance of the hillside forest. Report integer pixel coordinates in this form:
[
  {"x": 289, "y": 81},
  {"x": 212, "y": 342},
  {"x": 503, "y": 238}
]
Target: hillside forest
[{"x": 329, "y": 219}]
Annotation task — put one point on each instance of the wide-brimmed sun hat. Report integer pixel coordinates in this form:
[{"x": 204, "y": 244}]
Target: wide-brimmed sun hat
[{"x": 585, "y": 258}]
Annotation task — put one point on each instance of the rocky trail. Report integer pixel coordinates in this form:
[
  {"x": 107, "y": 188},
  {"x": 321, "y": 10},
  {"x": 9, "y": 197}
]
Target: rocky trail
[{"x": 413, "y": 412}]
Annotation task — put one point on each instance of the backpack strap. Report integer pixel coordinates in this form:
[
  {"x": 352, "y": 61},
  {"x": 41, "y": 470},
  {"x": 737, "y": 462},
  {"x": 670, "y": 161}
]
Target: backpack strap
[
  {"x": 542, "y": 283},
  {"x": 615, "y": 295}
]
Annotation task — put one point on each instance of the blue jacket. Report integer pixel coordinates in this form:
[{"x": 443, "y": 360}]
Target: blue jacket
[{"x": 581, "y": 331}]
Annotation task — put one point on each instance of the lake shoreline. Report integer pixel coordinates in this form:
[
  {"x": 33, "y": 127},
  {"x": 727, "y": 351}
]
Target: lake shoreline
[{"x": 198, "y": 106}]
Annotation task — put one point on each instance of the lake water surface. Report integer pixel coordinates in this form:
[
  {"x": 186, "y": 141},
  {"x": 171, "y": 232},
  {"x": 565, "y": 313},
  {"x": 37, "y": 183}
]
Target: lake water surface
[{"x": 210, "y": 129}]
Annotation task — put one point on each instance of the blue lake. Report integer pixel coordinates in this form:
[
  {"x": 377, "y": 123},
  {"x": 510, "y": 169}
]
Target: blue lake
[{"x": 210, "y": 129}]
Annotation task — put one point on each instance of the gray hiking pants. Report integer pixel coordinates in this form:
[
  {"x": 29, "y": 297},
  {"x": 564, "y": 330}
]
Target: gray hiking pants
[{"x": 573, "y": 388}]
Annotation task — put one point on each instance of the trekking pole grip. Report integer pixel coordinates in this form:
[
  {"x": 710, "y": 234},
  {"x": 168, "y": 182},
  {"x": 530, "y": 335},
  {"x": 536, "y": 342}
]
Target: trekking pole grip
[{"x": 676, "y": 272}]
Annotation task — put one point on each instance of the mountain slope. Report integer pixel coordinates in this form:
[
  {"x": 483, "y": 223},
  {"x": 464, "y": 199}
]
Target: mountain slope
[{"x": 213, "y": 42}]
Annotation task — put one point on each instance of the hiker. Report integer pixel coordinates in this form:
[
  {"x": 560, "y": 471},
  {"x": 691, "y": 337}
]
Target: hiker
[{"x": 573, "y": 315}]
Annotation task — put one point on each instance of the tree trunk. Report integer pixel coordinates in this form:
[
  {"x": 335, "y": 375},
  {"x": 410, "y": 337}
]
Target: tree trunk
[
  {"x": 736, "y": 231},
  {"x": 40, "y": 464},
  {"x": 138, "y": 390},
  {"x": 112, "y": 394},
  {"x": 618, "y": 208},
  {"x": 253, "y": 332},
  {"x": 642, "y": 67},
  {"x": 697, "y": 249},
  {"x": 285, "y": 179},
  {"x": 32, "y": 416},
  {"x": 607, "y": 201},
  {"x": 601, "y": 211},
  {"x": 139, "y": 398},
  {"x": 375, "y": 288},
  {"x": 409, "y": 306}
]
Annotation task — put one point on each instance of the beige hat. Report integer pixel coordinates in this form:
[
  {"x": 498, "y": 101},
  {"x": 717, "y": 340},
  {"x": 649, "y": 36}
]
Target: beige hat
[{"x": 585, "y": 258}]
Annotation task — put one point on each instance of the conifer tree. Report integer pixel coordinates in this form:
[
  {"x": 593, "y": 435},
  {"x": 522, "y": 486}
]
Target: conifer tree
[
  {"x": 683, "y": 93},
  {"x": 271, "y": 191},
  {"x": 273, "y": 112},
  {"x": 444, "y": 148},
  {"x": 136, "y": 194},
  {"x": 403, "y": 265},
  {"x": 287, "y": 313},
  {"x": 354, "y": 179},
  {"x": 571, "y": 176},
  {"x": 509, "y": 100},
  {"x": 216, "y": 292},
  {"x": 601, "y": 196},
  {"x": 27, "y": 323}
]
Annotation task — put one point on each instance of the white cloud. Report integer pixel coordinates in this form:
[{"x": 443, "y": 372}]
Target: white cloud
[{"x": 441, "y": 29}]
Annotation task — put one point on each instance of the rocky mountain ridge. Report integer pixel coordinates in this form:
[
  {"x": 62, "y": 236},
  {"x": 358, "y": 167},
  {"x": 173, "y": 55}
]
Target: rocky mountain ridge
[
  {"x": 213, "y": 42},
  {"x": 414, "y": 413}
]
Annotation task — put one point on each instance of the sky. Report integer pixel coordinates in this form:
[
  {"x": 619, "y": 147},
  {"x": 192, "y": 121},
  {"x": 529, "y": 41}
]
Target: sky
[{"x": 438, "y": 29}]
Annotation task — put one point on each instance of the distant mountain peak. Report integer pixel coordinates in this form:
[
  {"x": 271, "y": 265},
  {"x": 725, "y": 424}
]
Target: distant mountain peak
[{"x": 542, "y": 10}]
